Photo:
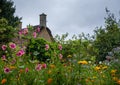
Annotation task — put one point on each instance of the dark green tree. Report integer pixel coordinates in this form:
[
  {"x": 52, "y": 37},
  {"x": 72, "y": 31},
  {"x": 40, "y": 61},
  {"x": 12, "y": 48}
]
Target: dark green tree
[
  {"x": 7, "y": 10},
  {"x": 108, "y": 37}
]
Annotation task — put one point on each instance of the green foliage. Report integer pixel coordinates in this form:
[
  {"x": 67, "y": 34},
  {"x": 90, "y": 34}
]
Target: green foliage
[
  {"x": 6, "y": 31},
  {"x": 36, "y": 49},
  {"x": 7, "y": 10},
  {"x": 107, "y": 38}
]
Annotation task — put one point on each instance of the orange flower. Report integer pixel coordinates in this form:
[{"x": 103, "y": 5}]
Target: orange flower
[
  {"x": 118, "y": 81},
  {"x": 21, "y": 70},
  {"x": 49, "y": 81},
  {"x": 3, "y": 81}
]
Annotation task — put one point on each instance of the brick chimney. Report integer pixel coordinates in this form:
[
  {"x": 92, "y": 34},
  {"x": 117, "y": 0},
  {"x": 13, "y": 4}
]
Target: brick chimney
[{"x": 43, "y": 20}]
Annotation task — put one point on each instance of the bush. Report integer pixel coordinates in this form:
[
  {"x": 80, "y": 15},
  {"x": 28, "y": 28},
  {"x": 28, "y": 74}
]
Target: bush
[{"x": 38, "y": 48}]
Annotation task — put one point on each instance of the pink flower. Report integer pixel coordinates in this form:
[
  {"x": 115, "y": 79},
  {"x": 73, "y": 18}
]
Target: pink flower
[
  {"x": 38, "y": 67},
  {"x": 3, "y": 57},
  {"x": 26, "y": 70},
  {"x": 38, "y": 29},
  {"x": 60, "y": 47},
  {"x": 44, "y": 65},
  {"x": 46, "y": 47},
  {"x": 60, "y": 56},
  {"x": 12, "y": 45},
  {"x": 34, "y": 34},
  {"x": 25, "y": 31},
  {"x": 6, "y": 70},
  {"x": 20, "y": 32},
  {"x": 4, "y": 47},
  {"x": 20, "y": 53}
]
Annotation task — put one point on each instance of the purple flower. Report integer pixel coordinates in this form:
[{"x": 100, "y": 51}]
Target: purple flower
[
  {"x": 6, "y": 70},
  {"x": 46, "y": 47},
  {"x": 12, "y": 45},
  {"x": 4, "y": 47}
]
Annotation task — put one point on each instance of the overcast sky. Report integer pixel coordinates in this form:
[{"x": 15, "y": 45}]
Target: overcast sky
[{"x": 72, "y": 16}]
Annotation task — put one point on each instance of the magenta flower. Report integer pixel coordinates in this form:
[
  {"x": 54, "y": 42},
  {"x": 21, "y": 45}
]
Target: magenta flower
[
  {"x": 46, "y": 47},
  {"x": 26, "y": 70},
  {"x": 60, "y": 47},
  {"x": 6, "y": 70},
  {"x": 20, "y": 32},
  {"x": 44, "y": 65},
  {"x": 60, "y": 56},
  {"x": 38, "y": 67},
  {"x": 4, "y": 47},
  {"x": 20, "y": 53},
  {"x": 3, "y": 57},
  {"x": 25, "y": 31},
  {"x": 34, "y": 34},
  {"x": 38, "y": 29},
  {"x": 12, "y": 45}
]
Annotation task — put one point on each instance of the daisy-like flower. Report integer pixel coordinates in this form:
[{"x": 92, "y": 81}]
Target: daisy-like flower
[
  {"x": 4, "y": 47},
  {"x": 20, "y": 53},
  {"x": 6, "y": 70},
  {"x": 12, "y": 45}
]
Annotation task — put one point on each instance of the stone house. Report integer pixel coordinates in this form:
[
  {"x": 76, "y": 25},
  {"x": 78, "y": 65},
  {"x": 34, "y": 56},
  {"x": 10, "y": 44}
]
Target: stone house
[{"x": 44, "y": 33}]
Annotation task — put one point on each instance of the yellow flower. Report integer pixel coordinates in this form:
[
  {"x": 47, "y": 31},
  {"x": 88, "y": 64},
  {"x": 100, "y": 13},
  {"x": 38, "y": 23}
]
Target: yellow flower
[
  {"x": 82, "y": 62},
  {"x": 12, "y": 67},
  {"x": 49, "y": 81},
  {"x": 52, "y": 66},
  {"x": 69, "y": 56},
  {"x": 3, "y": 81},
  {"x": 97, "y": 68},
  {"x": 113, "y": 71},
  {"x": 49, "y": 71},
  {"x": 94, "y": 77},
  {"x": 104, "y": 67},
  {"x": 115, "y": 78}
]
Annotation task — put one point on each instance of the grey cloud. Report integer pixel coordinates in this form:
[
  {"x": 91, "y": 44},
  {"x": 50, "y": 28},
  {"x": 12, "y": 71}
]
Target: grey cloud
[{"x": 72, "y": 16}]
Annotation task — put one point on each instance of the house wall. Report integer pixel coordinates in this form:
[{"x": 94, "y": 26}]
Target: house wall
[{"x": 44, "y": 34}]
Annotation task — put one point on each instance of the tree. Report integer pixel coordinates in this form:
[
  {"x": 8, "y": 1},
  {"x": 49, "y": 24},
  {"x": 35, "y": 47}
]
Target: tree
[
  {"x": 107, "y": 38},
  {"x": 6, "y": 31},
  {"x": 7, "y": 10}
]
